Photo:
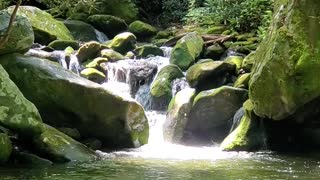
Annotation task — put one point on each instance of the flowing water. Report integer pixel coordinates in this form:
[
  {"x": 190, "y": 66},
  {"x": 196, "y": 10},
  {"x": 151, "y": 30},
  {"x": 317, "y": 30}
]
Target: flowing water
[{"x": 163, "y": 160}]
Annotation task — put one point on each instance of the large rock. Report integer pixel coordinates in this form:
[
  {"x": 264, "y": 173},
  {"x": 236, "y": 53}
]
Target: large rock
[
  {"x": 249, "y": 135},
  {"x": 111, "y": 54},
  {"x": 21, "y": 116},
  {"x": 123, "y": 42},
  {"x": 211, "y": 111},
  {"x": 84, "y": 32},
  {"x": 161, "y": 88},
  {"x": 108, "y": 24},
  {"x": 209, "y": 75},
  {"x": 45, "y": 27},
  {"x": 148, "y": 50},
  {"x": 186, "y": 50},
  {"x": 143, "y": 31},
  {"x": 21, "y": 36},
  {"x": 177, "y": 116},
  {"x": 67, "y": 100},
  {"x": 286, "y": 73},
  {"x": 6, "y": 148},
  {"x": 93, "y": 75},
  {"x": 88, "y": 51}
]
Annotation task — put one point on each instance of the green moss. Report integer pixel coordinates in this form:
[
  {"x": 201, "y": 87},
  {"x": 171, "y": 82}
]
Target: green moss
[
  {"x": 95, "y": 63},
  {"x": 148, "y": 50},
  {"x": 142, "y": 30},
  {"x": 242, "y": 81},
  {"x": 216, "y": 30},
  {"x": 248, "y": 62},
  {"x": 111, "y": 55},
  {"x": 123, "y": 42},
  {"x": 63, "y": 44},
  {"x": 93, "y": 75},
  {"x": 6, "y": 148},
  {"x": 88, "y": 51},
  {"x": 236, "y": 61}
]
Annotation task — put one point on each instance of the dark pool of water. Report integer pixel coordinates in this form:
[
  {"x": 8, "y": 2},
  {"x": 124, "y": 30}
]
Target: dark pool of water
[{"x": 251, "y": 166}]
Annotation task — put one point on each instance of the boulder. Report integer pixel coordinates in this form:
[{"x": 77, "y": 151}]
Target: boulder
[
  {"x": 123, "y": 42},
  {"x": 67, "y": 100},
  {"x": 286, "y": 74},
  {"x": 148, "y": 50},
  {"x": 209, "y": 75},
  {"x": 108, "y": 24},
  {"x": 186, "y": 50},
  {"x": 111, "y": 55},
  {"x": 63, "y": 44},
  {"x": 177, "y": 116},
  {"x": 210, "y": 114},
  {"x": 88, "y": 51},
  {"x": 84, "y": 32},
  {"x": 142, "y": 30},
  {"x": 161, "y": 88},
  {"x": 236, "y": 61},
  {"x": 214, "y": 51},
  {"x": 21, "y": 116},
  {"x": 249, "y": 135},
  {"x": 45, "y": 27},
  {"x": 95, "y": 63},
  {"x": 21, "y": 37},
  {"x": 6, "y": 148},
  {"x": 93, "y": 75},
  {"x": 242, "y": 81}
]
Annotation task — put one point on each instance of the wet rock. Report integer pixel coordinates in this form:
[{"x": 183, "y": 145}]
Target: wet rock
[
  {"x": 214, "y": 51},
  {"x": 109, "y": 25},
  {"x": 111, "y": 55},
  {"x": 88, "y": 51},
  {"x": 63, "y": 44},
  {"x": 93, "y": 75},
  {"x": 148, "y": 50},
  {"x": 123, "y": 42}
]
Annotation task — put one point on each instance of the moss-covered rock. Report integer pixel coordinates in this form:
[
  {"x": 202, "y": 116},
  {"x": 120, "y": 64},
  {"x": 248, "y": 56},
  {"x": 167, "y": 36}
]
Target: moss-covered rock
[
  {"x": 78, "y": 16},
  {"x": 242, "y": 81},
  {"x": 21, "y": 116},
  {"x": 148, "y": 50},
  {"x": 110, "y": 25},
  {"x": 236, "y": 61},
  {"x": 177, "y": 116},
  {"x": 95, "y": 63},
  {"x": 5, "y": 148},
  {"x": 209, "y": 75},
  {"x": 245, "y": 36},
  {"x": 161, "y": 89},
  {"x": 165, "y": 34},
  {"x": 214, "y": 51},
  {"x": 216, "y": 30},
  {"x": 67, "y": 100},
  {"x": 112, "y": 55},
  {"x": 63, "y": 44},
  {"x": 186, "y": 50},
  {"x": 83, "y": 32},
  {"x": 123, "y": 42},
  {"x": 142, "y": 30},
  {"x": 248, "y": 136},
  {"x": 21, "y": 37},
  {"x": 93, "y": 75},
  {"x": 88, "y": 51},
  {"x": 45, "y": 27},
  {"x": 286, "y": 73},
  {"x": 211, "y": 112},
  {"x": 248, "y": 62}
]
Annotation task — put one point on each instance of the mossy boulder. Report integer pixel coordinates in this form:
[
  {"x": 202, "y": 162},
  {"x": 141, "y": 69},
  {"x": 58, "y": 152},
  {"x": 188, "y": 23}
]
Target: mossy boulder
[
  {"x": 161, "y": 88},
  {"x": 63, "y": 44},
  {"x": 21, "y": 116},
  {"x": 186, "y": 50},
  {"x": 110, "y": 25},
  {"x": 21, "y": 37},
  {"x": 84, "y": 32},
  {"x": 243, "y": 81},
  {"x": 5, "y": 148},
  {"x": 111, "y": 54},
  {"x": 165, "y": 34},
  {"x": 209, "y": 75},
  {"x": 177, "y": 116},
  {"x": 45, "y": 27},
  {"x": 216, "y": 30},
  {"x": 67, "y": 100},
  {"x": 148, "y": 50},
  {"x": 88, "y": 51},
  {"x": 236, "y": 61},
  {"x": 214, "y": 51},
  {"x": 95, "y": 63},
  {"x": 248, "y": 62},
  {"x": 211, "y": 112},
  {"x": 286, "y": 73},
  {"x": 142, "y": 30},
  {"x": 93, "y": 75},
  {"x": 123, "y": 42},
  {"x": 249, "y": 135}
]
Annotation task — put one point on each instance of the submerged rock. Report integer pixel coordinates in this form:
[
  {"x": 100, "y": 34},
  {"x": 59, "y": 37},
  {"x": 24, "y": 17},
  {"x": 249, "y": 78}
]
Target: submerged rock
[
  {"x": 123, "y": 42},
  {"x": 142, "y": 30},
  {"x": 186, "y": 50},
  {"x": 66, "y": 99},
  {"x": 161, "y": 89},
  {"x": 45, "y": 27},
  {"x": 177, "y": 116},
  {"x": 110, "y": 25},
  {"x": 248, "y": 136},
  {"x": 209, "y": 75},
  {"x": 21, "y": 37},
  {"x": 211, "y": 112}
]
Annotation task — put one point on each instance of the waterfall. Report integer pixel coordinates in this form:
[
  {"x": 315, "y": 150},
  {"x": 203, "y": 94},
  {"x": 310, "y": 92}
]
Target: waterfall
[{"x": 101, "y": 36}]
